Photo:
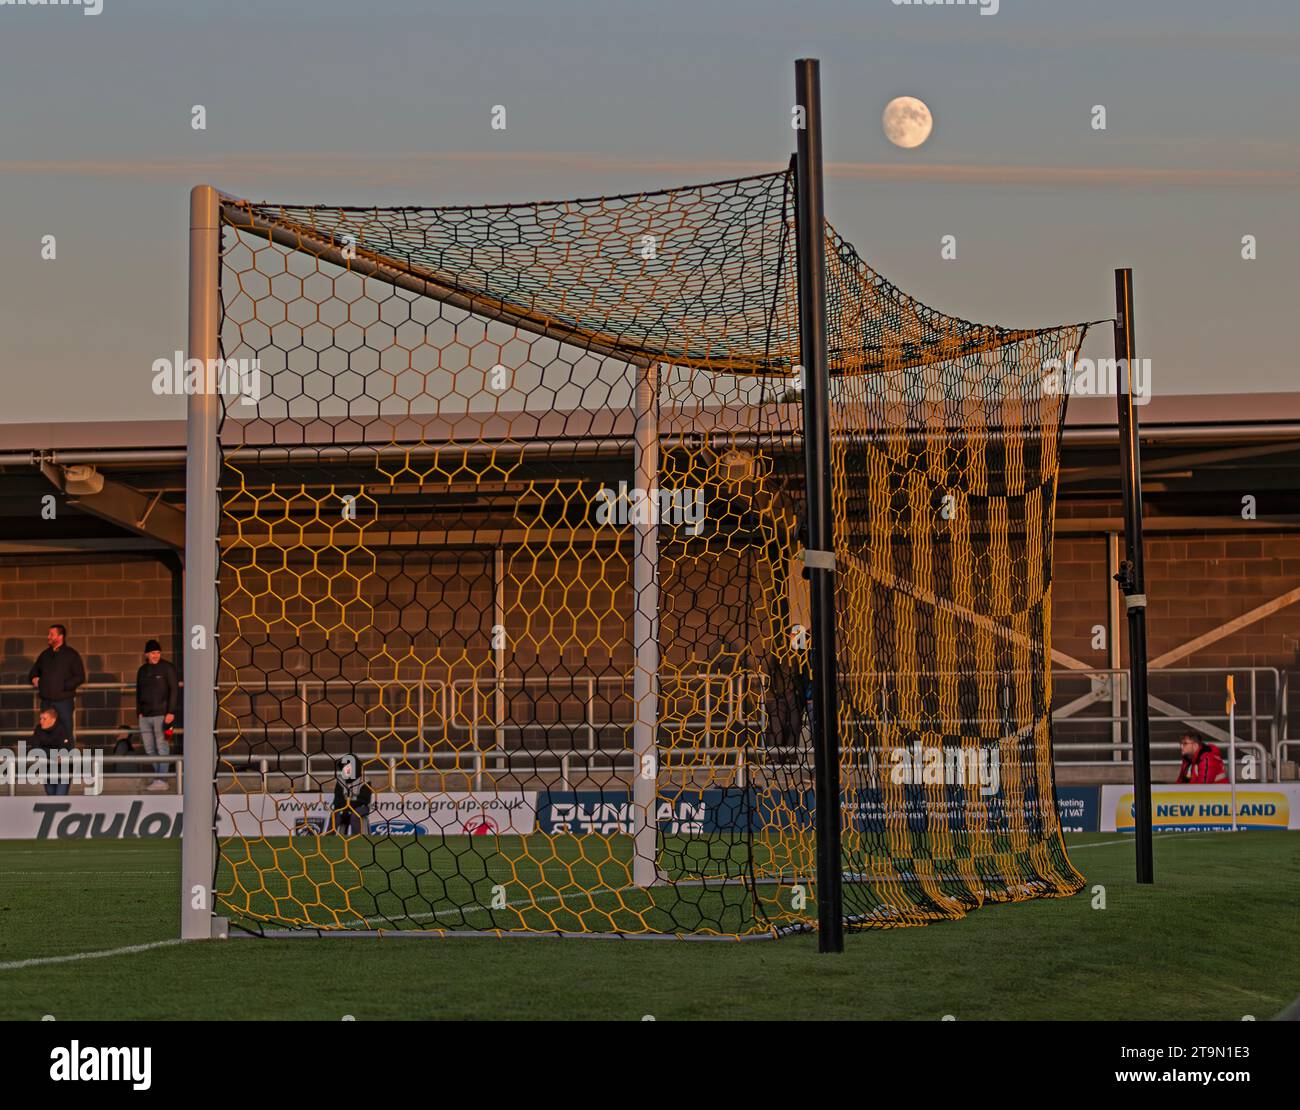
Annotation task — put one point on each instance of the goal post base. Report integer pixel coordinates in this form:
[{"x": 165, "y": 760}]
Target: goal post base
[
  {"x": 499, "y": 934},
  {"x": 645, "y": 874}
]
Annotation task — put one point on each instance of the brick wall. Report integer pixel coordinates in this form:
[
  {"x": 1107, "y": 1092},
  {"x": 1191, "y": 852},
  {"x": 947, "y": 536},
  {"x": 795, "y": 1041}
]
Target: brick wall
[
  {"x": 1080, "y": 592},
  {"x": 441, "y": 602},
  {"x": 420, "y": 618},
  {"x": 1195, "y": 583}
]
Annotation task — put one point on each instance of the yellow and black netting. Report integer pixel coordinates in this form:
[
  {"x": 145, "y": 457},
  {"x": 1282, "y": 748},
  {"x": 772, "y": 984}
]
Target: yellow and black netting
[{"x": 514, "y": 632}]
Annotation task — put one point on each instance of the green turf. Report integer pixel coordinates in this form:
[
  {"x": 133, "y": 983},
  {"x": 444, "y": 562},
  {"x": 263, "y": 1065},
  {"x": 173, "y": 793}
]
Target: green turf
[
  {"x": 544, "y": 883},
  {"x": 722, "y": 885},
  {"x": 1215, "y": 938}
]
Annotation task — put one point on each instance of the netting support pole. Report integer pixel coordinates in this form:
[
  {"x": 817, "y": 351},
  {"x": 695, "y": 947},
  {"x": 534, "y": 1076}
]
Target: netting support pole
[
  {"x": 645, "y": 627},
  {"x": 819, "y": 554},
  {"x": 198, "y": 837},
  {"x": 1132, "y": 574},
  {"x": 498, "y": 650}
]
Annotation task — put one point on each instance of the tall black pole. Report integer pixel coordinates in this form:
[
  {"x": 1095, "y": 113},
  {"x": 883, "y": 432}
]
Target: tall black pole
[
  {"x": 1132, "y": 575},
  {"x": 819, "y": 553}
]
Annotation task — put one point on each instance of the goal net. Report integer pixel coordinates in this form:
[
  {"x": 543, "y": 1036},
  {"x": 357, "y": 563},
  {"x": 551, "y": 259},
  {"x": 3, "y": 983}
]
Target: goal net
[{"x": 513, "y": 624}]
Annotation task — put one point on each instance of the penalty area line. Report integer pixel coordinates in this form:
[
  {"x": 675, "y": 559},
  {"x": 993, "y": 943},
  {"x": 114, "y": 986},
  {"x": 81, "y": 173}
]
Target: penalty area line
[{"x": 100, "y": 954}]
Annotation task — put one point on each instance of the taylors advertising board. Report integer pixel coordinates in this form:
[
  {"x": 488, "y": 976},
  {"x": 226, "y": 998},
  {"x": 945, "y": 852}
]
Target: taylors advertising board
[
  {"x": 1205, "y": 808},
  {"x": 77, "y": 817}
]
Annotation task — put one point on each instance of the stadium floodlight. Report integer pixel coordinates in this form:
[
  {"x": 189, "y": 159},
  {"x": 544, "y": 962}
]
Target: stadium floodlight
[{"x": 626, "y": 636}]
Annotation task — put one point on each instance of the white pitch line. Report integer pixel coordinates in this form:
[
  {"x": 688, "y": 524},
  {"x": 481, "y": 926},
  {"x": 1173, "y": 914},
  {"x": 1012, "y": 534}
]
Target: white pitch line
[
  {"x": 102, "y": 953},
  {"x": 104, "y": 874},
  {"x": 437, "y": 914},
  {"x": 44, "y": 851},
  {"x": 1126, "y": 840}
]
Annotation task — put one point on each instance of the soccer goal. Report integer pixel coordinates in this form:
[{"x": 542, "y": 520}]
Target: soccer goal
[{"x": 640, "y": 565}]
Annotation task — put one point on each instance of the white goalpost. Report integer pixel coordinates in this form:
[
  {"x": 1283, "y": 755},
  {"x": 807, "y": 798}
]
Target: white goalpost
[
  {"x": 645, "y": 629},
  {"x": 201, "y": 597},
  {"x": 198, "y": 843}
]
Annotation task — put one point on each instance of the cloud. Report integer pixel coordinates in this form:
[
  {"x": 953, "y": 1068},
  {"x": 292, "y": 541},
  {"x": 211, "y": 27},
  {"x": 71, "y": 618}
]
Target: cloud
[{"x": 1069, "y": 176}]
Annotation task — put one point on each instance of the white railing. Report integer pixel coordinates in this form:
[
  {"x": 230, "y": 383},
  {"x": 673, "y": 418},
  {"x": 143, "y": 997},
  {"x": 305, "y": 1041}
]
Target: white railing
[
  {"x": 295, "y": 771},
  {"x": 125, "y": 691},
  {"x": 475, "y": 713},
  {"x": 439, "y": 707},
  {"x": 1261, "y": 714}
]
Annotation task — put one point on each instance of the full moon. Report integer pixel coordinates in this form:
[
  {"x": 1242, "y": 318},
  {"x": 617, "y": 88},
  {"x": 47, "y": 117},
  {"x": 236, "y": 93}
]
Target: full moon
[{"x": 907, "y": 121}]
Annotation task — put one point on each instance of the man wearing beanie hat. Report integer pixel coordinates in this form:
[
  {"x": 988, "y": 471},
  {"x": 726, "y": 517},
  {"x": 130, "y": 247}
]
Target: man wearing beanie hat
[{"x": 157, "y": 694}]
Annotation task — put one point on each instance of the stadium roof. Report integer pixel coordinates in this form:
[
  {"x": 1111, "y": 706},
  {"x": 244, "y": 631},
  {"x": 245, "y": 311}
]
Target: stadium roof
[
  {"x": 1200, "y": 454},
  {"x": 1165, "y": 417}
]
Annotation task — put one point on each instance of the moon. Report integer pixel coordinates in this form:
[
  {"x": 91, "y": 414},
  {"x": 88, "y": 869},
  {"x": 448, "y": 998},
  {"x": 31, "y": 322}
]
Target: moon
[{"x": 907, "y": 121}]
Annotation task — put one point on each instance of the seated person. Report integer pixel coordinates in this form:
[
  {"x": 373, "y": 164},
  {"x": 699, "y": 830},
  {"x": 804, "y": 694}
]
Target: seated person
[
  {"x": 51, "y": 735},
  {"x": 122, "y": 746},
  {"x": 1202, "y": 762},
  {"x": 352, "y": 798}
]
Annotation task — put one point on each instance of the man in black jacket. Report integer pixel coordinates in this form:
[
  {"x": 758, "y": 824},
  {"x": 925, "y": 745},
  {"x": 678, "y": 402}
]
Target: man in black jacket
[
  {"x": 157, "y": 694},
  {"x": 56, "y": 674},
  {"x": 352, "y": 799},
  {"x": 50, "y": 736}
]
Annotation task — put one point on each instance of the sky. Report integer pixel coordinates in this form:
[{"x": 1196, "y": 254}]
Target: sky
[{"x": 391, "y": 103}]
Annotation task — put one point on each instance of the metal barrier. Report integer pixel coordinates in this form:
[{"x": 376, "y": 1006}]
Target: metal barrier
[
  {"x": 1261, "y": 716},
  {"x": 471, "y": 712},
  {"x": 316, "y": 770},
  {"x": 125, "y": 691},
  {"x": 436, "y": 701},
  {"x": 1281, "y": 753},
  {"x": 173, "y": 778}
]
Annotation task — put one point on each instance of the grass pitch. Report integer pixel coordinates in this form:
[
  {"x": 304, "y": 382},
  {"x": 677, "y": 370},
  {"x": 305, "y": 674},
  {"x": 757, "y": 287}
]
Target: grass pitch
[
  {"x": 544, "y": 883},
  {"x": 1216, "y": 938}
]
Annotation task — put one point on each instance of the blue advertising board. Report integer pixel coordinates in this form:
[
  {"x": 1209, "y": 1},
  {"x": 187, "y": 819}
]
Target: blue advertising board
[
  {"x": 736, "y": 810},
  {"x": 1079, "y": 808}
]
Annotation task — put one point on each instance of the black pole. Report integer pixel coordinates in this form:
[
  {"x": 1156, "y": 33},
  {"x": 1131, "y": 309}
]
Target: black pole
[
  {"x": 1132, "y": 575},
  {"x": 819, "y": 553}
]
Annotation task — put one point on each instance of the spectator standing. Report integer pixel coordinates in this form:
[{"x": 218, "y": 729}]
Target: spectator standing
[
  {"x": 157, "y": 694},
  {"x": 56, "y": 674}
]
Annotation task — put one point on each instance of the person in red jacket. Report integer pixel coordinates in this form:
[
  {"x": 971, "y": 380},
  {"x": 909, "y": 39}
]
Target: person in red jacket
[{"x": 1202, "y": 762}]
